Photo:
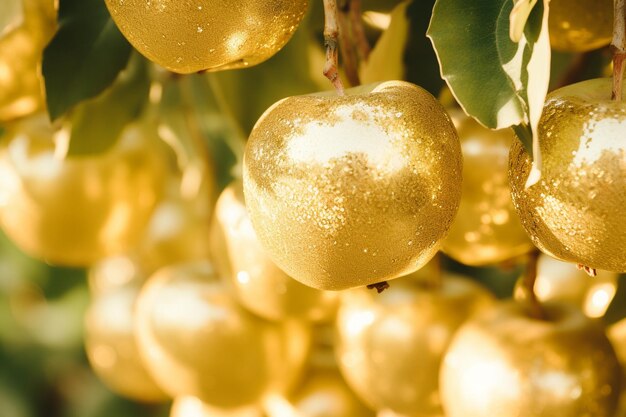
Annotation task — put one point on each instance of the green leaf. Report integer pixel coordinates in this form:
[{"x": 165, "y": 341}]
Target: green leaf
[
  {"x": 84, "y": 57},
  {"x": 499, "y": 82},
  {"x": 98, "y": 123}
]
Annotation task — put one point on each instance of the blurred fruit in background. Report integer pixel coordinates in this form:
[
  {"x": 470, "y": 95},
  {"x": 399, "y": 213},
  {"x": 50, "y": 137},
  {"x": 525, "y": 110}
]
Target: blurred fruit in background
[
  {"x": 258, "y": 283},
  {"x": 580, "y": 25},
  {"x": 26, "y": 26},
  {"x": 487, "y": 229}
]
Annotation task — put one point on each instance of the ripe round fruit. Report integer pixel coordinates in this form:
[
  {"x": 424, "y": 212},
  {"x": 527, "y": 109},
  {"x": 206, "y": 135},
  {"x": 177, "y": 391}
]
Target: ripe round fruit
[
  {"x": 196, "y": 340},
  {"x": 562, "y": 281},
  {"x": 77, "y": 210},
  {"x": 390, "y": 345},
  {"x": 351, "y": 190},
  {"x": 258, "y": 283},
  {"x": 486, "y": 229},
  {"x": 193, "y": 407},
  {"x": 322, "y": 393},
  {"x": 196, "y": 35},
  {"x": 21, "y": 46},
  {"x": 112, "y": 349},
  {"x": 504, "y": 363},
  {"x": 580, "y": 25},
  {"x": 114, "y": 273},
  {"x": 576, "y": 212}
]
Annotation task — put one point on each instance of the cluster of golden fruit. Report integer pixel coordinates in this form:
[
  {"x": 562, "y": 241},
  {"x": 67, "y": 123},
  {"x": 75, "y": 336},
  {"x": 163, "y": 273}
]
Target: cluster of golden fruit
[{"x": 254, "y": 306}]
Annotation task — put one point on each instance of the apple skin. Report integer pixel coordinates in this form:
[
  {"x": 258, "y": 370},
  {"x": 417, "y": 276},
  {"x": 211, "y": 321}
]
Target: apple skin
[
  {"x": 196, "y": 340},
  {"x": 576, "y": 211},
  {"x": 21, "y": 48},
  {"x": 505, "y": 363},
  {"x": 213, "y": 35},
  {"x": 580, "y": 25},
  {"x": 390, "y": 345},
  {"x": 486, "y": 230},
  {"x": 258, "y": 283},
  {"x": 111, "y": 347},
  {"x": 74, "y": 211},
  {"x": 346, "y": 191},
  {"x": 187, "y": 406}
]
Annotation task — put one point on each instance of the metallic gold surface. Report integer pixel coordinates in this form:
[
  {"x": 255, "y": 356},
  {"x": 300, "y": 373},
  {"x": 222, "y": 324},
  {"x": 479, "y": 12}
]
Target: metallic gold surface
[
  {"x": 390, "y": 345},
  {"x": 504, "y": 363},
  {"x": 114, "y": 272},
  {"x": 345, "y": 191},
  {"x": 196, "y": 340},
  {"x": 194, "y": 35},
  {"x": 112, "y": 350},
  {"x": 486, "y": 229},
  {"x": 258, "y": 283},
  {"x": 21, "y": 47},
  {"x": 580, "y": 25},
  {"x": 322, "y": 393},
  {"x": 76, "y": 210},
  {"x": 193, "y": 407},
  {"x": 576, "y": 212}
]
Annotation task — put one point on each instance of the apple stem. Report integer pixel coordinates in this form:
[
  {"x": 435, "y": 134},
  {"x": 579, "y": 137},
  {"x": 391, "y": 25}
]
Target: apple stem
[
  {"x": 592, "y": 272},
  {"x": 619, "y": 47},
  {"x": 527, "y": 287},
  {"x": 331, "y": 35},
  {"x": 379, "y": 286}
]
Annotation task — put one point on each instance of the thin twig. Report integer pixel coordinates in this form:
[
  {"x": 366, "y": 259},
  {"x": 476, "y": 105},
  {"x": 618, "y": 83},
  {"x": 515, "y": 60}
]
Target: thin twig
[
  {"x": 331, "y": 34},
  {"x": 619, "y": 48},
  {"x": 358, "y": 30},
  {"x": 346, "y": 45}
]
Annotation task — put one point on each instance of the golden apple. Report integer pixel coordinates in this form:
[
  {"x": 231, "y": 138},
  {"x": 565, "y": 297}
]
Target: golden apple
[
  {"x": 110, "y": 274},
  {"x": 390, "y": 345},
  {"x": 77, "y": 210},
  {"x": 112, "y": 349},
  {"x": 345, "y": 191},
  {"x": 486, "y": 229},
  {"x": 178, "y": 231},
  {"x": 191, "y": 36},
  {"x": 580, "y": 25},
  {"x": 21, "y": 47},
  {"x": 258, "y": 283},
  {"x": 505, "y": 363},
  {"x": 562, "y": 281},
  {"x": 197, "y": 341},
  {"x": 576, "y": 211},
  {"x": 193, "y": 407},
  {"x": 322, "y": 393}
]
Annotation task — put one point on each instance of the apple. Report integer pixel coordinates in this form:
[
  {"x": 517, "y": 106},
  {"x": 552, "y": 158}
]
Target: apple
[
  {"x": 486, "y": 230},
  {"x": 575, "y": 212},
  {"x": 580, "y": 25},
  {"x": 74, "y": 211},
  {"x": 258, "y": 283},
  {"x": 390, "y": 345},
  {"x": 506, "y": 363},
  {"x": 197, "y": 341},
  {"x": 22, "y": 40},
  {"x": 191, "y": 36},
  {"x": 111, "y": 347},
  {"x": 351, "y": 190},
  {"x": 110, "y": 274},
  {"x": 178, "y": 230},
  {"x": 193, "y": 407},
  {"x": 562, "y": 281}
]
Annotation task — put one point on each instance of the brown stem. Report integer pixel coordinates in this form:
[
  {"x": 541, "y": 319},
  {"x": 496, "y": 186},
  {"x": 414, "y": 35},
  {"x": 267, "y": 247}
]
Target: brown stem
[
  {"x": 619, "y": 48},
  {"x": 592, "y": 272},
  {"x": 379, "y": 286},
  {"x": 358, "y": 31},
  {"x": 346, "y": 42},
  {"x": 331, "y": 34},
  {"x": 526, "y": 287}
]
